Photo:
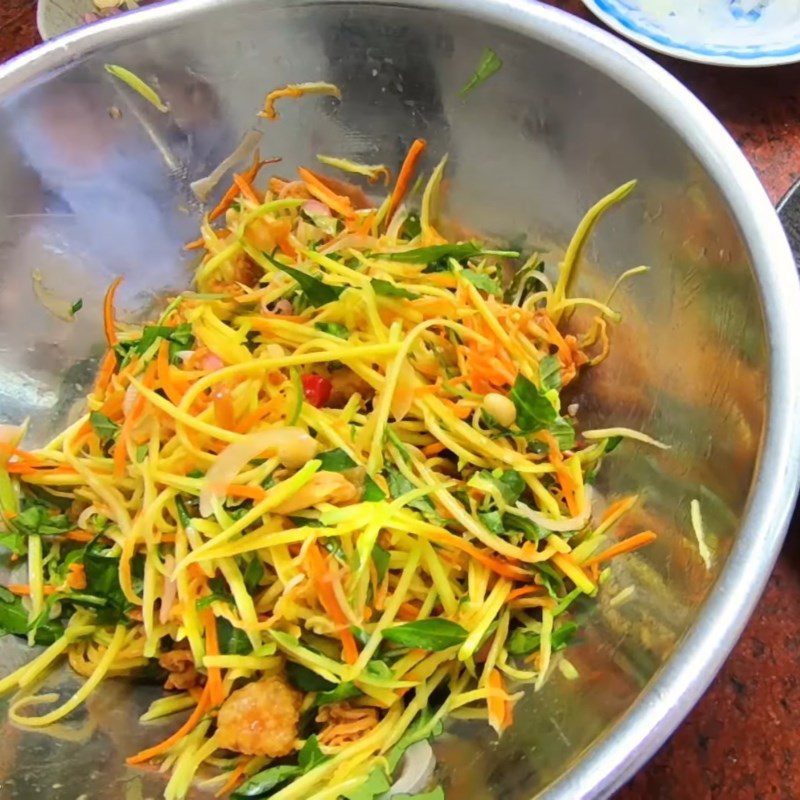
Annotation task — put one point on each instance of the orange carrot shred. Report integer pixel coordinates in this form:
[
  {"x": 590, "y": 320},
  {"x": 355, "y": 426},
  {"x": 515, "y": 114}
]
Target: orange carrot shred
[
  {"x": 321, "y": 577},
  {"x": 200, "y": 709},
  {"x": 216, "y": 694},
  {"x": 404, "y": 176},
  {"x": 108, "y": 313},
  {"x": 625, "y": 546}
]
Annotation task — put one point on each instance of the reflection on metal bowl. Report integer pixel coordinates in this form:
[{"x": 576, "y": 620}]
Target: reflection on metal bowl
[{"x": 706, "y": 357}]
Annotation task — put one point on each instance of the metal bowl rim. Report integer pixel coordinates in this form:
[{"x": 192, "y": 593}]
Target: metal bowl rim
[{"x": 682, "y": 680}]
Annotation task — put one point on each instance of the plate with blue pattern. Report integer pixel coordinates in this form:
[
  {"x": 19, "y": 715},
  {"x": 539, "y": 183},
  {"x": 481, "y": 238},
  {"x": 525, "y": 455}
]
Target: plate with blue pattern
[{"x": 739, "y": 33}]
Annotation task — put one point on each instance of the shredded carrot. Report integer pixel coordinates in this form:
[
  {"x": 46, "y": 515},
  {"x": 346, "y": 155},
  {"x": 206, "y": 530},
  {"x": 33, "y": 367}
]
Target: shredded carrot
[
  {"x": 79, "y": 536},
  {"x": 502, "y": 568},
  {"x": 318, "y": 570},
  {"x": 408, "y": 611},
  {"x": 237, "y": 773},
  {"x": 104, "y": 374},
  {"x": 77, "y": 577},
  {"x": 523, "y": 591},
  {"x": 433, "y": 449},
  {"x": 404, "y": 176},
  {"x": 564, "y": 477},
  {"x": 24, "y": 589},
  {"x": 338, "y": 203},
  {"x": 216, "y": 692},
  {"x": 232, "y": 193},
  {"x": 499, "y": 713},
  {"x": 245, "y": 189},
  {"x": 202, "y": 706},
  {"x": 197, "y": 244},
  {"x": 223, "y": 407},
  {"x": 625, "y": 546},
  {"x": 164, "y": 377},
  {"x": 109, "y": 324},
  {"x": 255, "y": 493}
]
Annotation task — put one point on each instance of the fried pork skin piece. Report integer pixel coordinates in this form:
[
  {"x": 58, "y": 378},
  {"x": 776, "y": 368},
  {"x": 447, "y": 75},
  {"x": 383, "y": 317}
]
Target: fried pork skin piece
[{"x": 261, "y": 719}]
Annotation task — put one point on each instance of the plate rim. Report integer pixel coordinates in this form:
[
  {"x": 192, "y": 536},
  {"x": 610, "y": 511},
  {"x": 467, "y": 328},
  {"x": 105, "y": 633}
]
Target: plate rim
[{"x": 641, "y": 38}]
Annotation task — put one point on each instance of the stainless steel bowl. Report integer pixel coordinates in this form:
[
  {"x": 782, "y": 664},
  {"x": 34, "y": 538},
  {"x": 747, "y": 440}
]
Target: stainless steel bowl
[{"x": 94, "y": 183}]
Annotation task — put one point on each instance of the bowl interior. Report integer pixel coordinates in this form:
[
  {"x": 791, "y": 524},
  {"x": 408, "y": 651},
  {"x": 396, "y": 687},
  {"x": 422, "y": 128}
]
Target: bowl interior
[{"x": 100, "y": 188}]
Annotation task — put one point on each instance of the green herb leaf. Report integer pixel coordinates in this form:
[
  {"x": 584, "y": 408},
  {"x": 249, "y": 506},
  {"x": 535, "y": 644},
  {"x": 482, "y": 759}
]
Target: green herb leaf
[
  {"x": 489, "y": 64},
  {"x": 335, "y": 461},
  {"x": 311, "y": 756},
  {"x": 141, "y": 452},
  {"x": 400, "y": 485},
  {"x": 551, "y": 580},
  {"x": 435, "y": 253},
  {"x": 183, "y": 512},
  {"x": 40, "y": 519},
  {"x": 427, "y": 634},
  {"x": 317, "y": 292},
  {"x": 372, "y": 492},
  {"x": 306, "y": 522},
  {"x": 612, "y": 443},
  {"x": 76, "y": 307},
  {"x": 306, "y": 679},
  {"x": 482, "y": 282},
  {"x": 522, "y": 642},
  {"x": 419, "y": 729},
  {"x": 376, "y": 785},
  {"x": 105, "y": 429},
  {"x": 344, "y": 691},
  {"x": 527, "y": 527},
  {"x": 550, "y": 373},
  {"x": 534, "y": 409},
  {"x": 253, "y": 574},
  {"x": 333, "y": 328},
  {"x": 387, "y": 289},
  {"x": 380, "y": 558},
  {"x": 266, "y": 782},
  {"x": 493, "y": 521},
  {"x": 14, "y": 621},
  {"x": 232, "y": 641},
  {"x": 535, "y": 412},
  {"x": 510, "y": 484}
]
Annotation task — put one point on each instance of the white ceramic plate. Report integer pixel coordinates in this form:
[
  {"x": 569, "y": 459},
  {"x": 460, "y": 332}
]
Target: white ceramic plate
[
  {"x": 741, "y": 33},
  {"x": 54, "y": 17}
]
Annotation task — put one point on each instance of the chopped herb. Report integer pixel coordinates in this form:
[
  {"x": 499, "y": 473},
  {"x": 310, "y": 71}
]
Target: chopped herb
[
  {"x": 141, "y": 452},
  {"x": 37, "y": 518},
  {"x": 335, "y": 461},
  {"x": 306, "y": 679},
  {"x": 535, "y": 412},
  {"x": 344, "y": 691},
  {"x": 489, "y": 64},
  {"x": 550, "y": 373},
  {"x": 333, "y": 328},
  {"x": 310, "y": 756},
  {"x": 232, "y": 641},
  {"x": 387, "y": 289},
  {"x": 76, "y": 306},
  {"x": 493, "y": 520},
  {"x": 105, "y": 428},
  {"x": 380, "y": 558},
  {"x": 266, "y": 782},
  {"x": 522, "y": 642},
  {"x": 253, "y": 574},
  {"x": 376, "y": 785},
  {"x": 400, "y": 485},
  {"x": 372, "y": 492},
  {"x": 435, "y": 253},
  {"x": 183, "y": 513},
  {"x": 481, "y": 281},
  {"x": 14, "y": 621},
  {"x": 612, "y": 443},
  {"x": 427, "y": 634},
  {"x": 317, "y": 292}
]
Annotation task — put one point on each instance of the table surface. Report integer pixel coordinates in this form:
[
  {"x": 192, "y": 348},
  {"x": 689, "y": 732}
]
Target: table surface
[{"x": 742, "y": 741}]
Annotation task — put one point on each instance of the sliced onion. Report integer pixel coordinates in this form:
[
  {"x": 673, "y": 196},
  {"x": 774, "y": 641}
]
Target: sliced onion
[
  {"x": 212, "y": 362},
  {"x": 312, "y": 207},
  {"x": 129, "y": 400},
  {"x": 403, "y": 397},
  {"x": 330, "y": 487},
  {"x": 293, "y": 446},
  {"x": 203, "y": 187},
  {"x": 549, "y": 524},
  {"x": 58, "y": 306},
  {"x": 83, "y": 517},
  {"x": 416, "y": 770},
  {"x": 10, "y": 437},
  {"x": 170, "y": 591}
]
